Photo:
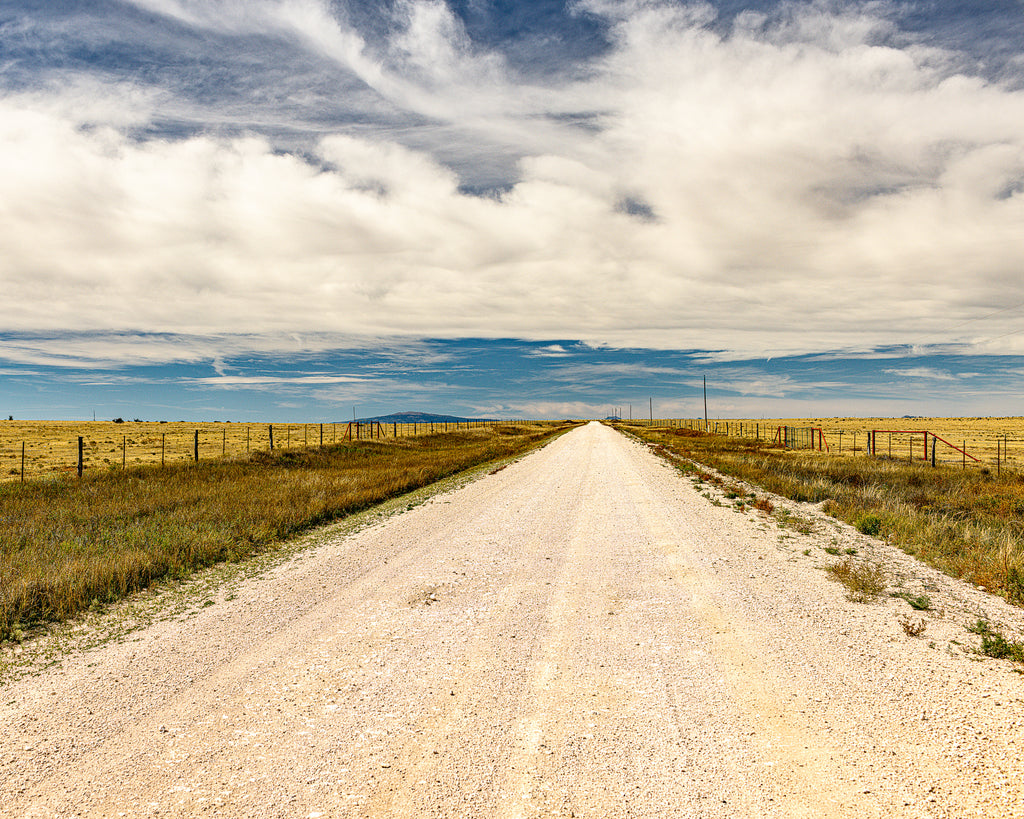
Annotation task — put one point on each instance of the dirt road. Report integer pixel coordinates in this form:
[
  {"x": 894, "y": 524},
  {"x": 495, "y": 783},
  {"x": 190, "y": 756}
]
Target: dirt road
[{"x": 579, "y": 634}]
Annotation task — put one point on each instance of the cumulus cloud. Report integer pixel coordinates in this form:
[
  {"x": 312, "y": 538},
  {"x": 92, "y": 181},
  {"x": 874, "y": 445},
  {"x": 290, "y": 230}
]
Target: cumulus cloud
[{"x": 797, "y": 182}]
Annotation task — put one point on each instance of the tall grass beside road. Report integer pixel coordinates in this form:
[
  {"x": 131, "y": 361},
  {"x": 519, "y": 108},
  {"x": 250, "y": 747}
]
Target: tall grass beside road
[
  {"x": 67, "y": 545},
  {"x": 967, "y": 523}
]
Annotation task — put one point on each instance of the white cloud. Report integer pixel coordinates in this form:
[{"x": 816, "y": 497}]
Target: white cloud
[
  {"x": 550, "y": 351},
  {"x": 804, "y": 184},
  {"x": 929, "y": 373}
]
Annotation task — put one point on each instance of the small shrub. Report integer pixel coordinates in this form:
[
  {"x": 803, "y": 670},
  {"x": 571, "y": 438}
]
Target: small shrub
[
  {"x": 832, "y": 550},
  {"x": 912, "y": 627},
  {"x": 864, "y": 581},
  {"x": 869, "y": 525},
  {"x": 764, "y": 505}
]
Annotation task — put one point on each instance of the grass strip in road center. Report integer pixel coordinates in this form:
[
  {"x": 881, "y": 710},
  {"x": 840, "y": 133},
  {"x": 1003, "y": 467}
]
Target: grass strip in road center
[
  {"x": 67, "y": 545},
  {"x": 966, "y": 523}
]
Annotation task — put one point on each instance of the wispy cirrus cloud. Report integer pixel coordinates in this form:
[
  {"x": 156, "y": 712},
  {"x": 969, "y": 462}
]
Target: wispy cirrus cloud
[{"x": 927, "y": 373}]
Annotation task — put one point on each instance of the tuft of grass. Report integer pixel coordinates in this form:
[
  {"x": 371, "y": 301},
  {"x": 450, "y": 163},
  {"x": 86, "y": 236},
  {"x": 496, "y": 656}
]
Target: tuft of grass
[
  {"x": 795, "y": 522},
  {"x": 918, "y": 602},
  {"x": 995, "y": 644},
  {"x": 864, "y": 581},
  {"x": 869, "y": 524},
  {"x": 69, "y": 545}
]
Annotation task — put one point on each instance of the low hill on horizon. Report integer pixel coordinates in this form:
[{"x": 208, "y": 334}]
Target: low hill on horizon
[{"x": 417, "y": 418}]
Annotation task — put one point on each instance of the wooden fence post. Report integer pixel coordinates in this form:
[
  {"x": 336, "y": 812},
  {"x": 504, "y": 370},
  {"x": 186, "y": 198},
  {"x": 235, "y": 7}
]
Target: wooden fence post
[
  {"x": 23, "y": 462},
  {"x": 81, "y": 452},
  {"x": 162, "y": 436},
  {"x": 124, "y": 451},
  {"x": 224, "y": 442},
  {"x": 195, "y": 445},
  {"x": 270, "y": 432},
  {"x": 933, "y": 452},
  {"x": 321, "y": 436}
]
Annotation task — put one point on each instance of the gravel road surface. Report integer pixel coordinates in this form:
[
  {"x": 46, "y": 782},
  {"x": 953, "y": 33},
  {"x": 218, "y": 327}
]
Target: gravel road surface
[{"x": 579, "y": 634}]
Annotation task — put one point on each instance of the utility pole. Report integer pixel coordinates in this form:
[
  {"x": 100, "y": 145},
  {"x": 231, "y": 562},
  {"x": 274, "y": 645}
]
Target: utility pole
[
  {"x": 705, "y": 403},
  {"x": 650, "y": 401}
]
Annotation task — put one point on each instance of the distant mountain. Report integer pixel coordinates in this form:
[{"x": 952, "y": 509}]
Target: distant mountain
[{"x": 417, "y": 418}]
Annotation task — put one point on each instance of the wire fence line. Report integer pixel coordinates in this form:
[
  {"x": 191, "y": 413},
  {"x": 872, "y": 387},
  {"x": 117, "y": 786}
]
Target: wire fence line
[
  {"x": 38, "y": 449},
  {"x": 994, "y": 450}
]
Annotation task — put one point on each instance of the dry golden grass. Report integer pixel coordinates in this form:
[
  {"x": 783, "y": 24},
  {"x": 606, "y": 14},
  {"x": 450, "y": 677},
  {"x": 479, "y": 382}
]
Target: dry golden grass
[
  {"x": 51, "y": 447},
  {"x": 980, "y": 435},
  {"x": 848, "y": 436},
  {"x": 968, "y": 523},
  {"x": 69, "y": 544}
]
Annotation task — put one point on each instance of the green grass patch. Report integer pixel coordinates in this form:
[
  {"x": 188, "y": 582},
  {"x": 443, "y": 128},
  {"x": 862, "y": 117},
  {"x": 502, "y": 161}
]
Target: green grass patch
[
  {"x": 918, "y": 602},
  {"x": 995, "y": 644}
]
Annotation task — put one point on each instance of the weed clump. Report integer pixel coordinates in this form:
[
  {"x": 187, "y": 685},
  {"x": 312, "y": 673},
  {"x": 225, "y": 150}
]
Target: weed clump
[
  {"x": 995, "y": 644},
  {"x": 864, "y": 581},
  {"x": 912, "y": 627}
]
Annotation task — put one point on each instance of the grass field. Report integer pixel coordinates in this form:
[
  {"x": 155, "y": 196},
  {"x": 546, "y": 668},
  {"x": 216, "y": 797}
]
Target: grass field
[
  {"x": 51, "y": 447},
  {"x": 68, "y": 544},
  {"x": 848, "y": 436},
  {"x": 967, "y": 523}
]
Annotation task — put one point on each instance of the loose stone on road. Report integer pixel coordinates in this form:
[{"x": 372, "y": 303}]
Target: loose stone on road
[{"x": 580, "y": 634}]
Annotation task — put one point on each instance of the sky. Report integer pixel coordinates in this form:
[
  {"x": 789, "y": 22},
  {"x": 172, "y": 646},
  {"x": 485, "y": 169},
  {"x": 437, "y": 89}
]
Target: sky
[{"x": 297, "y": 210}]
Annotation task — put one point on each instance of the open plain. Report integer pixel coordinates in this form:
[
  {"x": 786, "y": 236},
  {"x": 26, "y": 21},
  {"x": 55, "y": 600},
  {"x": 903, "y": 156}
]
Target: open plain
[{"x": 582, "y": 633}]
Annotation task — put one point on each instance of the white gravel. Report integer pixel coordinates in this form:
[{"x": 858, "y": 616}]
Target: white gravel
[{"x": 580, "y": 634}]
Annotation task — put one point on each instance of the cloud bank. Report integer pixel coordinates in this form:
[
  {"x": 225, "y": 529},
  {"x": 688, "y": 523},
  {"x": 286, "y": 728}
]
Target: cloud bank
[{"x": 804, "y": 180}]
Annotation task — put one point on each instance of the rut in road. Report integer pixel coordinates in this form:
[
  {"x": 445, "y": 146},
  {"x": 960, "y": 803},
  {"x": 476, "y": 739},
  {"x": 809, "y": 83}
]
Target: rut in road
[{"x": 580, "y": 634}]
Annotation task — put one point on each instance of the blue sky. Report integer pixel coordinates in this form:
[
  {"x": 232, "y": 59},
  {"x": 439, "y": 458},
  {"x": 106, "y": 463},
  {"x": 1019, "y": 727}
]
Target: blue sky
[{"x": 284, "y": 209}]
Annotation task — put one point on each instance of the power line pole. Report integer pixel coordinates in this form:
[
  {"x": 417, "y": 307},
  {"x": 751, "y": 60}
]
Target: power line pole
[{"x": 705, "y": 403}]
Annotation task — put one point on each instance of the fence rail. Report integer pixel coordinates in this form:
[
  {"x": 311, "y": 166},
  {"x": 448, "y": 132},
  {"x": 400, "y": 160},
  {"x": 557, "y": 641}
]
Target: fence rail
[{"x": 38, "y": 449}]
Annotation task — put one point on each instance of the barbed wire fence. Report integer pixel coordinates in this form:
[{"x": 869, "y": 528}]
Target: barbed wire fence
[{"x": 65, "y": 450}]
